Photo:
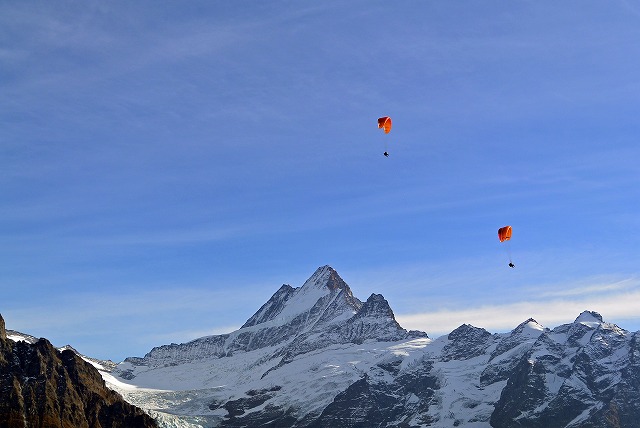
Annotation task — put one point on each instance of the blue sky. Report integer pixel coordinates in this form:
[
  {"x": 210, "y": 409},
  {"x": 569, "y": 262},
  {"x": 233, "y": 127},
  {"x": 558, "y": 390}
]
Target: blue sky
[{"x": 166, "y": 166}]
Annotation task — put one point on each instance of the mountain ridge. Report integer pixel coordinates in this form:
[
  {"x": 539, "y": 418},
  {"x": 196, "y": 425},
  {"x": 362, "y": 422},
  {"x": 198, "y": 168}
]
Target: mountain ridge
[
  {"x": 338, "y": 361},
  {"x": 333, "y": 360}
]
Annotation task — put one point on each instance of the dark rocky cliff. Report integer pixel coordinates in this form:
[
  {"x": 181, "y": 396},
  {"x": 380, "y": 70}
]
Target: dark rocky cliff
[{"x": 42, "y": 387}]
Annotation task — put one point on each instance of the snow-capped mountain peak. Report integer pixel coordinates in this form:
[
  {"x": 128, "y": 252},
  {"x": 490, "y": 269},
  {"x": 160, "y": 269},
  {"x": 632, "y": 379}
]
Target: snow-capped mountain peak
[
  {"x": 323, "y": 287},
  {"x": 589, "y": 318},
  {"x": 285, "y": 323},
  {"x": 529, "y": 329},
  {"x": 325, "y": 277},
  {"x": 324, "y": 282}
]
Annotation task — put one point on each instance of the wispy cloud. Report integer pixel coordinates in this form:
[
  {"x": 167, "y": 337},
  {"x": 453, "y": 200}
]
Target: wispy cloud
[
  {"x": 587, "y": 287},
  {"x": 615, "y": 301}
]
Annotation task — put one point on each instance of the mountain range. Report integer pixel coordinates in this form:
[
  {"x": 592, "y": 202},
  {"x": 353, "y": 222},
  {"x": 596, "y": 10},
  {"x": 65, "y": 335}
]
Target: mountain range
[{"x": 317, "y": 356}]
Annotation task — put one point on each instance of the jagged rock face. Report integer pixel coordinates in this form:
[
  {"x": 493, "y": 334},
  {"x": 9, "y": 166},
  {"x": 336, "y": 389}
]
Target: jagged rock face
[
  {"x": 42, "y": 387},
  {"x": 526, "y": 332},
  {"x": 272, "y": 308},
  {"x": 579, "y": 374},
  {"x": 373, "y": 402},
  {"x": 466, "y": 342},
  {"x": 213, "y": 346},
  {"x": 375, "y": 321},
  {"x": 509, "y": 351},
  {"x": 624, "y": 408}
]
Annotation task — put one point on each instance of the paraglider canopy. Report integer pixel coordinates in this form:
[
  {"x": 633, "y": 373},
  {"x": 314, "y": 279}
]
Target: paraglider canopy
[
  {"x": 385, "y": 123},
  {"x": 504, "y": 233}
]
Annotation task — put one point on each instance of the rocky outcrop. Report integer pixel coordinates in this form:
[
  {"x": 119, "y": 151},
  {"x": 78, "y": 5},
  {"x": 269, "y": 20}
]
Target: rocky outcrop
[
  {"x": 372, "y": 402},
  {"x": 42, "y": 387},
  {"x": 466, "y": 342}
]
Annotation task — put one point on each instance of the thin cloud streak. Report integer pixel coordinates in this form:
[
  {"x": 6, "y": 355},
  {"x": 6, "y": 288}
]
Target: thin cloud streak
[
  {"x": 604, "y": 287},
  {"x": 506, "y": 317}
]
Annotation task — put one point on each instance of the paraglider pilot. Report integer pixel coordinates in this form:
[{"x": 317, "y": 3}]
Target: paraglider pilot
[
  {"x": 386, "y": 154},
  {"x": 511, "y": 265}
]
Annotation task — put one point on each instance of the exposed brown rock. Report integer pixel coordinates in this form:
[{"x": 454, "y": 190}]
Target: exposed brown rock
[{"x": 42, "y": 387}]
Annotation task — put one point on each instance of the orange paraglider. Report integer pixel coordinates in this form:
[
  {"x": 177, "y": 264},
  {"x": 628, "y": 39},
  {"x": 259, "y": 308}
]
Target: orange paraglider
[
  {"x": 385, "y": 123},
  {"x": 504, "y": 234}
]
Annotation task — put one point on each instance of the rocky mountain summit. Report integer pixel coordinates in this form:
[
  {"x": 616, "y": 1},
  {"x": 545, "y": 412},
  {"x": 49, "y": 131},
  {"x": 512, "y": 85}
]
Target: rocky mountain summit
[{"x": 43, "y": 387}]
